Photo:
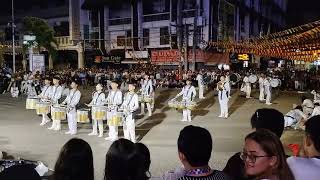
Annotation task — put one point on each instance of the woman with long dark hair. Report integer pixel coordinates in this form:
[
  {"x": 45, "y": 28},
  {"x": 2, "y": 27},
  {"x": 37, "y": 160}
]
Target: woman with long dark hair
[
  {"x": 264, "y": 157},
  {"x": 75, "y": 161},
  {"x": 123, "y": 162}
]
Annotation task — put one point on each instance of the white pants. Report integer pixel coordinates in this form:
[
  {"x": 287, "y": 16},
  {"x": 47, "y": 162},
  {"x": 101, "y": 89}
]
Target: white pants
[
  {"x": 201, "y": 89},
  {"x": 95, "y": 125},
  {"x": 113, "y": 132},
  {"x": 248, "y": 91},
  {"x": 72, "y": 121},
  {"x": 223, "y": 107},
  {"x": 45, "y": 118},
  {"x": 261, "y": 96},
  {"x": 268, "y": 98},
  {"x": 129, "y": 129},
  {"x": 288, "y": 121},
  {"x": 186, "y": 115},
  {"x": 148, "y": 107}
]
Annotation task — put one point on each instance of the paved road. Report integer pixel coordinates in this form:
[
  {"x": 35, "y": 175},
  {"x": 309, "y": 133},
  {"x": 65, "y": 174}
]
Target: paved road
[{"x": 21, "y": 135}]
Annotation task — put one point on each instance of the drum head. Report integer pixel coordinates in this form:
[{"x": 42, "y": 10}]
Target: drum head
[
  {"x": 274, "y": 83},
  {"x": 253, "y": 78}
]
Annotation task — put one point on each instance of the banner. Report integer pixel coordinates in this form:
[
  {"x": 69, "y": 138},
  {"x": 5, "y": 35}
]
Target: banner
[{"x": 38, "y": 63}]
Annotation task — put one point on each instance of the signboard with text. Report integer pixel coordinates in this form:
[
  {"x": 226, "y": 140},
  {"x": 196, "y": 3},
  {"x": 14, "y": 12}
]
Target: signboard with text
[{"x": 38, "y": 63}]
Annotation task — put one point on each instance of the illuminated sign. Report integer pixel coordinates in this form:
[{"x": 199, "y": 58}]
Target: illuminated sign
[{"x": 243, "y": 57}]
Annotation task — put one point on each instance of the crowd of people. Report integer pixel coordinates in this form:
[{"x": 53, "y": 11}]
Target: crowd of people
[{"x": 263, "y": 156}]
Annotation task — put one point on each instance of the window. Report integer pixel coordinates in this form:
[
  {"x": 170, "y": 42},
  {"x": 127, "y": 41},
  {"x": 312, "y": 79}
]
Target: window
[
  {"x": 164, "y": 35},
  {"x": 128, "y": 39},
  {"x": 86, "y": 31},
  {"x": 120, "y": 40},
  {"x": 146, "y": 36}
]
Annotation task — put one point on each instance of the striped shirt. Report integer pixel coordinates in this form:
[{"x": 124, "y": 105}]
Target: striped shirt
[{"x": 215, "y": 175}]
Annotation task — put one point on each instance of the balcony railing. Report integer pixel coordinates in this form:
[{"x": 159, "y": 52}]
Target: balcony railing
[
  {"x": 64, "y": 41},
  {"x": 156, "y": 17},
  {"x": 119, "y": 21}
]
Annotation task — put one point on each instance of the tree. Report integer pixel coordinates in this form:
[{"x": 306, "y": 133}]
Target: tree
[{"x": 44, "y": 36}]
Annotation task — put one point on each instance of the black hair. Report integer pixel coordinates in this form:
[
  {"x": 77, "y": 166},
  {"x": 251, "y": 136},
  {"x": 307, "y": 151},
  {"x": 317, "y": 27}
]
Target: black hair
[
  {"x": 18, "y": 172},
  {"x": 270, "y": 119},
  {"x": 313, "y": 130},
  {"x": 145, "y": 154},
  {"x": 316, "y": 104},
  {"x": 123, "y": 162},
  {"x": 196, "y": 145},
  {"x": 303, "y": 98},
  {"x": 75, "y": 161},
  {"x": 299, "y": 107}
]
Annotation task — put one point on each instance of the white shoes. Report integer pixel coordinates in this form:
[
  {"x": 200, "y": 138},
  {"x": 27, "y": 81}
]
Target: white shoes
[
  {"x": 110, "y": 139},
  {"x": 93, "y": 134},
  {"x": 51, "y": 128},
  {"x": 68, "y": 132},
  {"x": 268, "y": 104},
  {"x": 100, "y": 135}
]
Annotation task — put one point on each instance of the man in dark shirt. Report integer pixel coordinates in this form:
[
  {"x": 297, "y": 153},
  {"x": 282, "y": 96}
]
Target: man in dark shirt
[
  {"x": 270, "y": 119},
  {"x": 194, "y": 147}
]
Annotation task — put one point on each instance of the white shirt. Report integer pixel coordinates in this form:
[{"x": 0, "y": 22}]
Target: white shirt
[
  {"x": 73, "y": 98},
  {"x": 225, "y": 93},
  {"x": 131, "y": 102},
  {"x": 261, "y": 81},
  {"x": 296, "y": 114},
  {"x": 246, "y": 80},
  {"x": 98, "y": 99},
  {"x": 316, "y": 111},
  {"x": 56, "y": 93},
  {"x": 304, "y": 168},
  {"x": 46, "y": 91},
  {"x": 266, "y": 84},
  {"x": 114, "y": 97},
  {"x": 200, "y": 79},
  {"x": 188, "y": 93},
  {"x": 147, "y": 87}
]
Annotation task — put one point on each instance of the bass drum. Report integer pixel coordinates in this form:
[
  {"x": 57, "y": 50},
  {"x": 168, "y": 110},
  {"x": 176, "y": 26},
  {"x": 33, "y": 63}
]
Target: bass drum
[
  {"x": 234, "y": 78},
  {"x": 274, "y": 83},
  {"x": 253, "y": 78}
]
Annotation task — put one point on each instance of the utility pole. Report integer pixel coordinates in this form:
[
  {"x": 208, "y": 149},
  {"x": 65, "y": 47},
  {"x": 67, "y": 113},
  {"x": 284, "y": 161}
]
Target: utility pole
[
  {"x": 195, "y": 35},
  {"x": 180, "y": 33},
  {"x": 13, "y": 39},
  {"x": 186, "y": 38}
]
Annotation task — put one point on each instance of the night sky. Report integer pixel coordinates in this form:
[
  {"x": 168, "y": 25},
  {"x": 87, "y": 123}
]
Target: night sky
[{"x": 299, "y": 11}]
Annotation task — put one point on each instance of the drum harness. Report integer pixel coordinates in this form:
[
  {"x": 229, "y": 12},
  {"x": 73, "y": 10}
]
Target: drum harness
[
  {"x": 127, "y": 104},
  {"x": 72, "y": 99},
  {"x": 115, "y": 93},
  {"x": 227, "y": 93},
  {"x": 188, "y": 92}
]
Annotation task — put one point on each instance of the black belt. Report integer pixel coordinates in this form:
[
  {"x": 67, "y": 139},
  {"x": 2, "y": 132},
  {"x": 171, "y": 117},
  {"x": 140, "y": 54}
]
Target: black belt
[{"x": 290, "y": 117}]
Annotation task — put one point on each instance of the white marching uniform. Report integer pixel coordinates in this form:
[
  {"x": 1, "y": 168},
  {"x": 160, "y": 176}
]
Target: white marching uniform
[
  {"x": 293, "y": 117},
  {"x": 316, "y": 97},
  {"x": 247, "y": 86},
  {"x": 55, "y": 96},
  {"x": 307, "y": 106},
  {"x": 72, "y": 101},
  {"x": 114, "y": 100},
  {"x": 130, "y": 105},
  {"x": 188, "y": 94},
  {"x": 14, "y": 91},
  {"x": 316, "y": 111},
  {"x": 98, "y": 99},
  {"x": 31, "y": 91},
  {"x": 146, "y": 90},
  {"x": 267, "y": 90},
  {"x": 45, "y": 95},
  {"x": 223, "y": 96},
  {"x": 200, "y": 85},
  {"x": 261, "y": 88}
]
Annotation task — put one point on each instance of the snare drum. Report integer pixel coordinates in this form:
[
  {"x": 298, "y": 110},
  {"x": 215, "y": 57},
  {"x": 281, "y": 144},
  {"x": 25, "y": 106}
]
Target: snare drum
[
  {"x": 99, "y": 112},
  {"x": 83, "y": 116},
  {"x": 181, "y": 105},
  {"x": 116, "y": 120},
  {"x": 191, "y": 105},
  {"x": 147, "y": 99},
  {"x": 31, "y": 103},
  {"x": 172, "y": 103},
  {"x": 253, "y": 78},
  {"x": 43, "y": 108},
  {"x": 58, "y": 113},
  {"x": 274, "y": 83}
]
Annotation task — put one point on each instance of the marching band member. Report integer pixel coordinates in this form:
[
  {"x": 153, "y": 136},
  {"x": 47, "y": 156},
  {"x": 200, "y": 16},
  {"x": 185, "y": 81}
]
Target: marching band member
[
  {"x": 307, "y": 106},
  {"x": 56, "y": 93},
  {"x": 247, "y": 86},
  {"x": 316, "y": 96},
  {"x": 316, "y": 110},
  {"x": 200, "y": 85},
  {"x": 294, "y": 116},
  {"x": 188, "y": 94},
  {"x": 14, "y": 91},
  {"x": 31, "y": 91},
  {"x": 130, "y": 105},
  {"x": 113, "y": 101},
  {"x": 45, "y": 96},
  {"x": 223, "y": 89},
  {"x": 98, "y": 99},
  {"x": 72, "y": 101},
  {"x": 146, "y": 90},
  {"x": 261, "y": 87},
  {"x": 267, "y": 88}
]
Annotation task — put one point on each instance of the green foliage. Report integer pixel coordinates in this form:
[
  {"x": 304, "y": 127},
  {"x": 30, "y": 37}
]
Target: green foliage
[{"x": 43, "y": 32}]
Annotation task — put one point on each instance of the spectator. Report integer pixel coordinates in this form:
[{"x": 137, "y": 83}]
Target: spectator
[
  {"x": 307, "y": 168},
  {"x": 264, "y": 156},
  {"x": 194, "y": 148},
  {"x": 123, "y": 162},
  {"x": 270, "y": 119},
  {"x": 20, "y": 172},
  {"x": 75, "y": 161},
  {"x": 145, "y": 154}
]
